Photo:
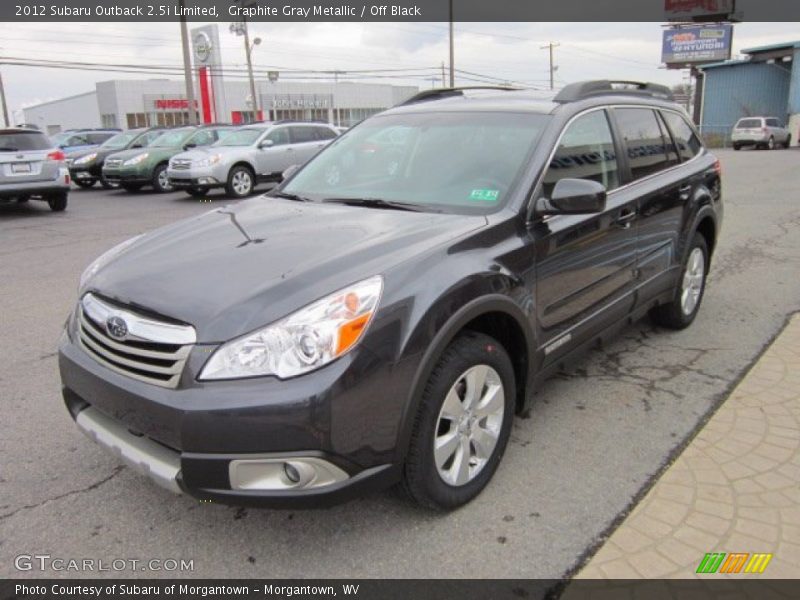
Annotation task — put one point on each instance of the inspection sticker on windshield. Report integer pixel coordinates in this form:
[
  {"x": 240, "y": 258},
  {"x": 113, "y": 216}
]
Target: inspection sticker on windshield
[{"x": 485, "y": 195}]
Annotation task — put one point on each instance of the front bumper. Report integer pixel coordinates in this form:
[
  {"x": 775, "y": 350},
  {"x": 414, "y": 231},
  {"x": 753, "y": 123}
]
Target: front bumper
[
  {"x": 195, "y": 177},
  {"x": 80, "y": 172},
  {"x": 131, "y": 175},
  {"x": 188, "y": 439}
]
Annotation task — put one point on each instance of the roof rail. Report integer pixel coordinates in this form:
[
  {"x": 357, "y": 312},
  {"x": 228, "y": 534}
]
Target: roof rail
[
  {"x": 439, "y": 93},
  {"x": 602, "y": 87}
]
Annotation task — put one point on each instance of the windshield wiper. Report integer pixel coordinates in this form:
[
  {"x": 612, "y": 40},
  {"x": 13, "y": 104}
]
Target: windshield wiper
[
  {"x": 289, "y": 196},
  {"x": 380, "y": 203}
]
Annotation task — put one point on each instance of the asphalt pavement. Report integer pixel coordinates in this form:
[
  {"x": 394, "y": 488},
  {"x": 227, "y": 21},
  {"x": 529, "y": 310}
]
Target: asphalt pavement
[{"x": 596, "y": 437}]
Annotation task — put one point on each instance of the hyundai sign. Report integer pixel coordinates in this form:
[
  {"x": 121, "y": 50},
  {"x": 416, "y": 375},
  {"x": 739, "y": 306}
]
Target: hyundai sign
[{"x": 696, "y": 44}]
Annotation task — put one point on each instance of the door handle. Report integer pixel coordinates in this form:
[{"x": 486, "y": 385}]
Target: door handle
[
  {"x": 625, "y": 218},
  {"x": 685, "y": 191}
]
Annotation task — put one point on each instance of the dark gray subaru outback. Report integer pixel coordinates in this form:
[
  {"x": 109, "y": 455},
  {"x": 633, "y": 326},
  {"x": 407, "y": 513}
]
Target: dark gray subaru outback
[{"x": 381, "y": 317}]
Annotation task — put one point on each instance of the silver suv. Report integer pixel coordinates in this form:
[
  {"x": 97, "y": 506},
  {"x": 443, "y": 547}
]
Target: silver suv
[
  {"x": 761, "y": 132},
  {"x": 251, "y": 154},
  {"x": 30, "y": 165}
]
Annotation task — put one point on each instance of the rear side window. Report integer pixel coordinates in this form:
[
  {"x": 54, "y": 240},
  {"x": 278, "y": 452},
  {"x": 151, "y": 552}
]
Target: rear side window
[
  {"x": 773, "y": 123},
  {"x": 323, "y": 133},
  {"x": 749, "y": 124},
  {"x": 683, "y": 134},
  {"x": 17, "y": 142},
  {"x": 301, "y": 135},
  {"x": 586, "y": 151},
  {"x": 644, "y": 141}
]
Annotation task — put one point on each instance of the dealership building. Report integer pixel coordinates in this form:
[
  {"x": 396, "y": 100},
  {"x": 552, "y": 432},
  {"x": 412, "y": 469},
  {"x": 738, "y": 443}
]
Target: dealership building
[
  {"x": 766, "y": 83},
  {"x": 132, "y": 103}
]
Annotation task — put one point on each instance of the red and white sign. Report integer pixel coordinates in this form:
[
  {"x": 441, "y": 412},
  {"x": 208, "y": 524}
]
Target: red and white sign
[
  {"x": 698, "y": 10},
  {"x": 173, "y": 104}
]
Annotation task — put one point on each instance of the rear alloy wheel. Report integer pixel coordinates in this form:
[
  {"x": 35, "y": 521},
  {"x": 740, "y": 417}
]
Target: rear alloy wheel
[
  {"x": 85, "y": 183},
  {"x": 463, "y": 424},
  {"x": 197, "y": 192},
  {"x": 680, "y": 313},
  {"x": 57, "y": 202},
  {"x": 788, "y": 142},
  {"x": 240, "y": 182},
  {"x": 161, "y": 182},
  {"x": 771, "y": 143}
]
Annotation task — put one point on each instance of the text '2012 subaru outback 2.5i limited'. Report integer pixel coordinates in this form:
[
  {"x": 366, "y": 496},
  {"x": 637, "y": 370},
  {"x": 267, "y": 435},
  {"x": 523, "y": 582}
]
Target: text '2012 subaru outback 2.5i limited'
[{"x": 380, "y": 317}]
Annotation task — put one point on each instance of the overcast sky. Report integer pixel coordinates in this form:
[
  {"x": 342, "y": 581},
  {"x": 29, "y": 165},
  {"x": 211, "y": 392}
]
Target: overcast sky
[{"x": 503, "y": 50}]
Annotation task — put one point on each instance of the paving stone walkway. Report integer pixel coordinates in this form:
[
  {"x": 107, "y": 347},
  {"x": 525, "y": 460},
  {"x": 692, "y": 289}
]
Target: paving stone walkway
[{"x": 734, "y": 489}]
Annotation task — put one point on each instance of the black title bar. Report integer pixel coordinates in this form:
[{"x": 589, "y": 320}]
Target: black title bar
[{"x": 394, "y": 10}]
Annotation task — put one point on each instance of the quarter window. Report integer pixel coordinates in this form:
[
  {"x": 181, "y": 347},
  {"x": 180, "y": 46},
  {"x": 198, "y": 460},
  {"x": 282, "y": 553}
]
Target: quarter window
[
  {"x": 586, "y": 151},
  {"x": 683, "y": 134},
  {"x": 644, "y": 141}
]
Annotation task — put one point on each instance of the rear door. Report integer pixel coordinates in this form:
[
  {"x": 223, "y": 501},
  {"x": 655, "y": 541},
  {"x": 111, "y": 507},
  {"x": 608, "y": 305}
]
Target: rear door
[
  {"x": 663, "y": 187},
  {"x": 305, "y": 142},
  {"x": 585, "y": 264}
]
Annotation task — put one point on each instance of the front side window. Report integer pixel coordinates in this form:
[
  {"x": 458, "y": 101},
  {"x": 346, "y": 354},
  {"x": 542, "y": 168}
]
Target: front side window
[
  {"x": 460, "y": 162},
  {"x": 278, "y": 137},
  {"x": 644, "y": 141},
  {"x": 586, "y": 151},
  {"x": 686, "y": 139}
]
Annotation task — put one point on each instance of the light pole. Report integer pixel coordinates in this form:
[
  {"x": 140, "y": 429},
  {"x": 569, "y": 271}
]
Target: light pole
[
  {"x": 240, "y": 28},
  {"x": 3, "y": 102},
  {"x": 452, "y": 50},
  {"x": 187, "y": 69}
]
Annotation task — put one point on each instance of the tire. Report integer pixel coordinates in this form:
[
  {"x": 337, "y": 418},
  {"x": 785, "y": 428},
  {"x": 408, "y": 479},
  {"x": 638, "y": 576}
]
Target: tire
[
  {"x": 771, "y": 143},
  {"x": 85, "y": 183},
  {"x": 737, "y": 147},
  {"x": 788, "y": 142},
  {"x": 131, "y": 187},
  {"x": 161, "y": 184},
  {"x": 241, "y": 182},
  {"x": 197, "y": 192},
  {"x": 446, "y": 486},
  {"x": 22, "y": 199},
  {"x": 57, "y": 202},
  {"x": 680, "y": 313}
]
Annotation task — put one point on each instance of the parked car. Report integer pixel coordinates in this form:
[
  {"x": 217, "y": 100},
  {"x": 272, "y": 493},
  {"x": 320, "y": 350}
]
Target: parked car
[
  {"x": 761, "y": 132},
  {"x": 86, "y": 166},
  {"x": 82, "y": 139},
  {"x": 30, "y": 167},
  {"x": 250, "y": 155},
  {"x": 336, "y": 337},
  {"x": 135, "y": 168}
]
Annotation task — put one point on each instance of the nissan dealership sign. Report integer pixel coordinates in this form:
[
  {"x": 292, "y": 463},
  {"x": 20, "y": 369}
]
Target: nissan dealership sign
[{"x": 699, "y": 10}]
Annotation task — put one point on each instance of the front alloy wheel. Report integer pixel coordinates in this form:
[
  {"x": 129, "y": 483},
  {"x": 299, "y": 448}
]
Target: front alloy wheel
[
  {"x": 240, "y": 182},
  {"x": 463, "y": 424},
  {"x": 161, "y": 182}
]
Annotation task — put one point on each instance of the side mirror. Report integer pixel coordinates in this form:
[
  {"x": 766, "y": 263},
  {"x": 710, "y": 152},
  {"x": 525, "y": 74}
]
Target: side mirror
[
  {"x": 137, "y": 146},
  {"x": 574, "y": 197},
  {"x": 266, "y": 144},
  {"x": 189, "y": 146},
  {"x": 291, "y": 170}
]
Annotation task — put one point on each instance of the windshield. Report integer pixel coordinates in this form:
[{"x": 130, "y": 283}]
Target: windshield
[
  {"x": 240, "y": 137},
  {"x": 59, "y": 138},
  {"x": 172, "y": 139},
  {"x": 465, "y": 162},
  {"x": 120, "y": 140}
]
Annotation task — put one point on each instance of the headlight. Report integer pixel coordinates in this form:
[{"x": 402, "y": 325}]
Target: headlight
[
  {"x": 136, "y": 159},
  {"x": 306, "y": 340},
  {"x": 103, "y": 259},
  {"x": 207, "y": 162},
  {"x": 85, "y": 159}
]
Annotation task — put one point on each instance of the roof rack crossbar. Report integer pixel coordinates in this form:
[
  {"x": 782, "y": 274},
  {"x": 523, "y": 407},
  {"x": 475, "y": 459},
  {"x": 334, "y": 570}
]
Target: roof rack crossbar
[
  {"x": 448, "y": 92},
  {"x": 601, "y": 87}
]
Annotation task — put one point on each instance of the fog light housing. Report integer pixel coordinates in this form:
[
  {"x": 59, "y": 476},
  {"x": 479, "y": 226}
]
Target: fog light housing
[{"x": 283, "y": 473}]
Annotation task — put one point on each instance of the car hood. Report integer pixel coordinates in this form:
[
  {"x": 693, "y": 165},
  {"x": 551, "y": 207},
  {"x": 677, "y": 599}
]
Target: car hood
[
  {"x": 206, "y": 151},
  {"x": 126, "y": 154},
  {"x": 238, "y": 268}
]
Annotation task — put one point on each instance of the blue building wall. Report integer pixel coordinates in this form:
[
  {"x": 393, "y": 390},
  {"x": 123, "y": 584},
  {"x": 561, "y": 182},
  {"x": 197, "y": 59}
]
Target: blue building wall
[
  {"x": 794, "y": 90},
  {"x": 739, "y": 90}
]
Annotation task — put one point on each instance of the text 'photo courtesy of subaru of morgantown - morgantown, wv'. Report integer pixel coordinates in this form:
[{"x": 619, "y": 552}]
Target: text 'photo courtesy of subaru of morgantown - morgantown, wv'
[{"x": 380, "y": 316}]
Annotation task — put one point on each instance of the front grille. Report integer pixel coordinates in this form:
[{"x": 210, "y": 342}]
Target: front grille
[
  {"x": 113, "y": 162},
  {"x": 181, "y": 164},
  {"x": 156, "y": 362}
]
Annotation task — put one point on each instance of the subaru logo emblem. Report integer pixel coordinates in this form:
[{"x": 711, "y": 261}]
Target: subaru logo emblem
[{"x": 117, "y": 328}]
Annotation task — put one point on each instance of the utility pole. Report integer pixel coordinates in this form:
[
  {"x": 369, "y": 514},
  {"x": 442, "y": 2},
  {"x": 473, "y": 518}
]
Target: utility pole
[
  {"x": 444, "y": 80},
  {"x": 248, "y": 49},
  {"x": 187, "y": 68},
  {"x": 452, "y": 50},
  {"x": 6, "y": 120},
  {"x": 553, "y": 68}
]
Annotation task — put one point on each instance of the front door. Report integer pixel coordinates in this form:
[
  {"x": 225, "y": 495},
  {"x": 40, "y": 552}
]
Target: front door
[{"x": 585, "y": 264}]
